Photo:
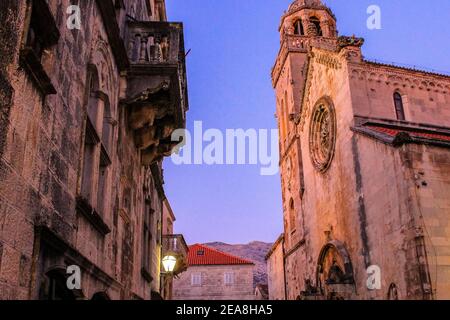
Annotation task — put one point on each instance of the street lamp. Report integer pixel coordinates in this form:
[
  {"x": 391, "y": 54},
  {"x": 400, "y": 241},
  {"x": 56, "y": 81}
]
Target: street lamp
[{"x": 169, "y": 262}]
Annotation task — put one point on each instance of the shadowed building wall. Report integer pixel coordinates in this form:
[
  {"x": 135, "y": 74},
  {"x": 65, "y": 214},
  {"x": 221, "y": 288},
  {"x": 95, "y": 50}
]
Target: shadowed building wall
[{"x": 80, "y": 179}]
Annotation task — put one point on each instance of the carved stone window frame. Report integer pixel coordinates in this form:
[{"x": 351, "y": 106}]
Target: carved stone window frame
[
  {"x": 41, "y": 34},
  {"x": 322, "y": 134}
]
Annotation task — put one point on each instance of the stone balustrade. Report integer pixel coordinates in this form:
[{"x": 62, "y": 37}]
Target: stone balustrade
[{"x": 156, "y": 86}]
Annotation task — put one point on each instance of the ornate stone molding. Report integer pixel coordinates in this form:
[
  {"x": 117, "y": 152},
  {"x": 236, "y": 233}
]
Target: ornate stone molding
[
  {"x": 306, "y": 98},
  {"x": 328, "y": 61},
  {"x": 352, "y": 41},
  {"x": 399, "y": 77},
  {"x": 322, "y": 134}
]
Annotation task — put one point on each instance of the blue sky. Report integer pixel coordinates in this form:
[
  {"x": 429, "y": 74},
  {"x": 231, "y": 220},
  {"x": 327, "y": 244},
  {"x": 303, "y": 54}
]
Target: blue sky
[{"x": 233, "y": 47}]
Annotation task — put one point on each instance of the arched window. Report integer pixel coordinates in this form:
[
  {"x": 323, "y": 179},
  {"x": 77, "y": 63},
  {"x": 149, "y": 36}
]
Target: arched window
[
  {"x": 132, "y": 13},
  {"x": 106, "y": 135},
  {"x": 54, "y": 286},
  {"x": 298, "y": 28},
  {"x": 398, "y": 102},
  {"x": 91, "y": 139},
  {"x": 97, "y": 145},
  {"x": 316, "y": 23},
  {"x": 292, "y": 215},
  {"x": 393, "y": 292}
]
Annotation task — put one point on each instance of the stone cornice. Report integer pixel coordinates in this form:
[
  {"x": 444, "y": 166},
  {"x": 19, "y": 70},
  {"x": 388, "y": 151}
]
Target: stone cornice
[
  {"x": 410, "y": 69},
  {"x": 359, "y": 120},
  {"x": 403, "y": 132},
  {"x": 399, "y": 76}
]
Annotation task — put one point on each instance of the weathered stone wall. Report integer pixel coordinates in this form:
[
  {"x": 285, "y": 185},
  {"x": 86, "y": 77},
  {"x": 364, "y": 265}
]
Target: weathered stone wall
[
  {"x": 431, "y": 169},
  {"x": 373, "y": 204},
  {"x": 409, "y": 202},
  {"x": 41, "y": 163},
  {"x": 390, "y": 216},
  {"x": 10, "y": 14},
  {"x": 275, "y": 272},
  {"x": 213, "y": 287},
  {"x": 425, "y": 97},
  {"x": 368, "y": 196},
  {"x": 330, "y": 201}
]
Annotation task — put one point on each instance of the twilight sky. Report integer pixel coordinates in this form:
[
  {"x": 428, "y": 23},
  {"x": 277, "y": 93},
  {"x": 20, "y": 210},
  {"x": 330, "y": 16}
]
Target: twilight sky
[{"x": 234, "y": 44}]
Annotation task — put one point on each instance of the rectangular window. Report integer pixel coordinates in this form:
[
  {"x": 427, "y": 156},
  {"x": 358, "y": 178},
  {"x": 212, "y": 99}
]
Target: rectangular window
[
  {"x": 196, "y": 279},
  {"x": 88, "y": 182},
  {"x": 41, "y": 34},
  {"x": 147, "y": 240},
  {"x": 229, "y": 278}
]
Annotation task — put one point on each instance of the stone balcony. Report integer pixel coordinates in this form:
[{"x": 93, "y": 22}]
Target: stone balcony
[
  {"x": 156, "y": 95},
  {"x": 175, "y": 245}
]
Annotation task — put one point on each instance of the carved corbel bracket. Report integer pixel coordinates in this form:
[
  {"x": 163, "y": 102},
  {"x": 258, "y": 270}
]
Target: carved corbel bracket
[
  {"x": 145, "y": 137},
  {"x": 152, "y": 117},
  {"x": 148, "y": 105},
  {"x": 352, "y": 41},
  {"x": 157, "y": 152}
]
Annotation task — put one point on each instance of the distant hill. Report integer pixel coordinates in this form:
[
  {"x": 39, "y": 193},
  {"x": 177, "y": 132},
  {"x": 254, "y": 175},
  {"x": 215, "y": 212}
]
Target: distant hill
[{"x": 255, "y": 251}]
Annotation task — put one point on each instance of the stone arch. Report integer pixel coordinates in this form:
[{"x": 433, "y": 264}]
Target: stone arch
[
  {"x": 299, "y": 28},
  {"x": 132, "y": 11},
  {"x": 93, "y": 87},
  {"x": 334, "y": 274},
  {"x": 393, "y": 292},
  {"x": 54, "y": 285},
  {"x": 93, "y": 78},
  {"x": 315, "y": 26},
  {"x": 102, "y": 58},
  {"x": 399, "y": 99}
]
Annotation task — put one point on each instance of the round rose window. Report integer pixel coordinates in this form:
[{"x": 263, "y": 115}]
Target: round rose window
[{"x": 322, "y": 134}]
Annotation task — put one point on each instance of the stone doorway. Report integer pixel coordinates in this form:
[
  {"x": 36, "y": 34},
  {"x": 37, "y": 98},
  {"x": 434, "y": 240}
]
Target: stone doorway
[{"x": 334, "y": 275}]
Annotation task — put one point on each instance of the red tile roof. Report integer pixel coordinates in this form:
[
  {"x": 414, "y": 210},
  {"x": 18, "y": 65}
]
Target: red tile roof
[
  {"x": 202, "y": 255},
  {"x": 420, "y": 134}
]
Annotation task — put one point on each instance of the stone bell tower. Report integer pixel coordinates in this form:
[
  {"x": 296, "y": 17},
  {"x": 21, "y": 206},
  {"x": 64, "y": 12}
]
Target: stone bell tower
[{"x": 306, "y": 23}]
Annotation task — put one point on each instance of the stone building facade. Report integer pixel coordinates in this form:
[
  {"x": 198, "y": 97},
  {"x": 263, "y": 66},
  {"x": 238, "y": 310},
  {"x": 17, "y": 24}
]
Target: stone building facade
[
  {"x": 86, "y": 116},
  {"x": 365, "y": 167},
  {"x": 276, "y": 274},
  {"x": 214, "y": 275}
]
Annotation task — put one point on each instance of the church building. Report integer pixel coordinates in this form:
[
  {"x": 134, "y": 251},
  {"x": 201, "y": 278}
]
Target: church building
[{"x": 365, "y": 168}]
